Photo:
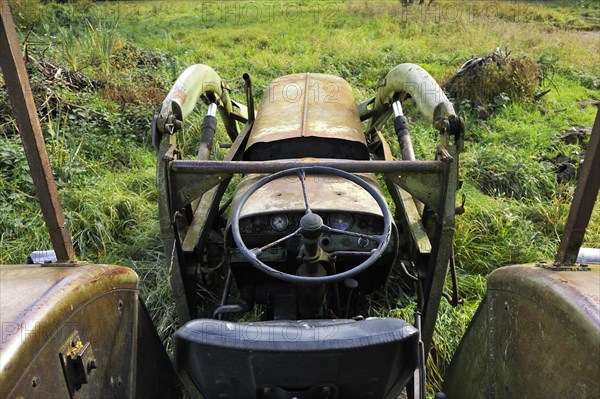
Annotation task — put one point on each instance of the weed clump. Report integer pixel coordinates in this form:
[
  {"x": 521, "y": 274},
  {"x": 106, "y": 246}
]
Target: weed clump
[
  {"x": 509, "y": 174},
  {"x": 126, "y": 56},
  {"x": 492, "y": 80}
]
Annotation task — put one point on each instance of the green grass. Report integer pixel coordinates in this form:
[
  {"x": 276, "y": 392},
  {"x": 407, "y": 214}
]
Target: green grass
[{"x": 99, "y": 141}]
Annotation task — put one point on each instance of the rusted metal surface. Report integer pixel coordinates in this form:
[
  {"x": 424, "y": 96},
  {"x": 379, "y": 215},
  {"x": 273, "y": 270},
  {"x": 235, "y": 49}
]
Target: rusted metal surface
[
  {"x": 204, "y": 213},
  {"x": 539, "y": 332},
  {"x": 305, "y": 105},
  {"x": 199, "y": 222},
  {"x": 407, "y": 213},
  {"x": 19, "y": 91},
  {"x": 435, "y": 275},
  {"x": 426, "y": 188},
  {"x": 278, "y": 141},
  {"x": 431, "y": 253},
  {"x": 183, "y": 300},
  {"x": 42, "y": 307},
  {"x": 586, "y": 192},
  {"x": 467, "y": 376},
  {"x": 78, "y": 362},
  {"x": 414, "y": 222},
  {"x": 309, "y": 106},
  {"x": 209, "y": 167},
  {"x": 191, "y": 179},
  {"x": 325, "y": 192}
]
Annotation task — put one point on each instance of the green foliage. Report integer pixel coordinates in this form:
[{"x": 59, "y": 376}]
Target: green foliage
[
  {"x": 510, "y": 174},
  {"x": 26, "y": 12},
  {"x": 99, "y": 144},
  {"x": 102, "y": 38}
]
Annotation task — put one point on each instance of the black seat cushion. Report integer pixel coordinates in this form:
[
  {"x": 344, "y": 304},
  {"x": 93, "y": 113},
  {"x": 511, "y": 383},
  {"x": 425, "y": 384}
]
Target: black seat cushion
[{"x": 372, "y": 358}]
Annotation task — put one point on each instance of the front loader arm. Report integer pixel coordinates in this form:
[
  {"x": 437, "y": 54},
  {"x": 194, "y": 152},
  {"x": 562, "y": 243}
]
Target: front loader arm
[
  {"x": 430, "y": 222},
  {"x": 196, "y": 82},
  {"x": 408, "y": 80}
]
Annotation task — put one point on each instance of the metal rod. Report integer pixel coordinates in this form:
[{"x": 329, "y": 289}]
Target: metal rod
[
  {"x": 454, "y": 299},
  {"x": 19, "y": 91},
  {"x": 208, "y": 130},
  {"x": 210, "y": 167},
  {"x": 249, "y": 96},
  {"x": 584, "y": 198},
  {"x": 350, "y": 285},
  {"x": 397, "y": 108},
  {"x": 403, "y": 133},
  {"x": 226, "y": 290},
  {"x": 212, "y": 110}
]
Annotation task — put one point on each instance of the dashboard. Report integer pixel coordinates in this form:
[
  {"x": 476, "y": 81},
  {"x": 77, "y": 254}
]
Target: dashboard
[{"x": 259, "y": 230}]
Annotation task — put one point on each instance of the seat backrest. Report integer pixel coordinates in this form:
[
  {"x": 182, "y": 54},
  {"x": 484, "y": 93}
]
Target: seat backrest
[{"x": 372, "y": 358}]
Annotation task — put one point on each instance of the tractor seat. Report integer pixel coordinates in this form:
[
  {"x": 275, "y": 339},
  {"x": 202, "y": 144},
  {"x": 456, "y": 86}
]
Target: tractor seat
[{"x": 305, "y": 359}]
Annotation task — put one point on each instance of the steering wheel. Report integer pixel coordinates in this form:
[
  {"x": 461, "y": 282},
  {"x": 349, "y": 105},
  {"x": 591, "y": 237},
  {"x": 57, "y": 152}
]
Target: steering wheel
[{"x": 311, "y": 224}]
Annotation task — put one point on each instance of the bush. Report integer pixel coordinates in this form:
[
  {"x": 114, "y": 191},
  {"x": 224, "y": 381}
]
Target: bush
[{"x": 484, "y": 80}]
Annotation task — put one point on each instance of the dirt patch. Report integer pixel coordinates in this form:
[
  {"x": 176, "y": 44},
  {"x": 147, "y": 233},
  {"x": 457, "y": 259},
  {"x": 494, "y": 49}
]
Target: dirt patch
[
  {"x": 567, "y": 166},
  {"x": 129, "y": 94},
  {"x": 575, "y": 135},
  {"x": 586, "y": 35}
]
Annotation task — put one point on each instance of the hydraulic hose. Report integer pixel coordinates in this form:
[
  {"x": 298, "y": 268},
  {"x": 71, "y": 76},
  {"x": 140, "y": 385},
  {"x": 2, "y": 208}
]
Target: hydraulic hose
[
  {"x": 208, "y": 129},
  {"x": 403, "y": 132}
]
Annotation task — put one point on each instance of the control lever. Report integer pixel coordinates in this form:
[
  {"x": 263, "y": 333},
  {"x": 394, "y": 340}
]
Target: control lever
[{"x": 351, "y": 285}]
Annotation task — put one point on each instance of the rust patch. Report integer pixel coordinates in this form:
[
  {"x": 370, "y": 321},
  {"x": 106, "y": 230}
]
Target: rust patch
[
  {"x": 325, "y": 192},
  {"x": 304, "y": 105}
]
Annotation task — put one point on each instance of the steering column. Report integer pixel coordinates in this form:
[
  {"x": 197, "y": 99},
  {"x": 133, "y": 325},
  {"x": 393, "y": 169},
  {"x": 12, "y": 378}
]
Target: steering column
[{"x": 311, "y": 298}]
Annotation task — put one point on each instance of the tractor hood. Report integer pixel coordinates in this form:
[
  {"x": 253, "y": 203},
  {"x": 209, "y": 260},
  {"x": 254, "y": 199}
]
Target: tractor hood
[
  {"x": 307, "y": 115},
  {"x": 325, "y": 193}
]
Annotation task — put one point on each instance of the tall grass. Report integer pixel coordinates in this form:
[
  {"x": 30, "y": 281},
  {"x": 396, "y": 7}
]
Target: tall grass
[
  {"x": 515, "y": 210},
  {"x": 103, "y": 38}
]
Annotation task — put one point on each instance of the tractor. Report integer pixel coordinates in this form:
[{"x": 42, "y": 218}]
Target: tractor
[
  {"x": 294, "y": 229},
  {"x": 274, "y": 249}
]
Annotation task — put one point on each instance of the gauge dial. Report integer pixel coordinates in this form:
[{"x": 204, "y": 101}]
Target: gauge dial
[
  {"x": 279, "y": 222},
  {"x": 340, "y": 221}
]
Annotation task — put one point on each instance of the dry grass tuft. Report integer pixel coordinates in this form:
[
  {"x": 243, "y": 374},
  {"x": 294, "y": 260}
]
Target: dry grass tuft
[
  {"x": 132, "y": 95},
  {"x": 481, "y": 80}
]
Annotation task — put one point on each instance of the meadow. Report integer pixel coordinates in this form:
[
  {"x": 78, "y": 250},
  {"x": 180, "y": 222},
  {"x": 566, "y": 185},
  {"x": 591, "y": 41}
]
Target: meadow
[{"x": 98, "y": 130}]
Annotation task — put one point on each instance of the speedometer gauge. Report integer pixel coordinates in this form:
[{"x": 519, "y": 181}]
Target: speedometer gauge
[
  {"x": 340, "y": 221},
  {"x": 279, "y": 222}
]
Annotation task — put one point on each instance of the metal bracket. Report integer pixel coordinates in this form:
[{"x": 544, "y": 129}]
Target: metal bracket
[{"x": 77, "y": 360}]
